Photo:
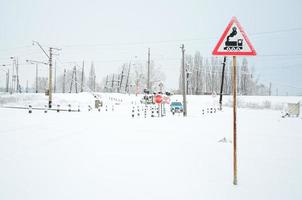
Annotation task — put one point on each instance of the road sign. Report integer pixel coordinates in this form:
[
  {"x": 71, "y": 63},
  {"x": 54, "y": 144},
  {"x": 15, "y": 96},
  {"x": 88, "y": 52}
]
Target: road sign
[
  {"x": 234, "y": 41},
  {"x": 158, "y": 99},
  {"x": 166, "y": 100}
]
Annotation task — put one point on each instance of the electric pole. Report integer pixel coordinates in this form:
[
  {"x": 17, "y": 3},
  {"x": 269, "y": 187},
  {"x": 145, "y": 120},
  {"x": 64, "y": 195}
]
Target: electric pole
[
  {"x": 222, "y": 80},
  {"x": 12, "y": 89},
  {"x": 148, "y": 79},
  {"x": 17, "y": 76},
  {"x": 37, "y": 78},
  {"x": 64, "y": 78},
  {"x": 183, "y": 81},
  {"x": 36, "y": 63},
  {"x": 50, "y": 70},
  {"x": 187, "y": 74},
  {"x": 7, "y": 81},
  {"x": 50, "y": 79},
  {"x": 55, "y": 79}
]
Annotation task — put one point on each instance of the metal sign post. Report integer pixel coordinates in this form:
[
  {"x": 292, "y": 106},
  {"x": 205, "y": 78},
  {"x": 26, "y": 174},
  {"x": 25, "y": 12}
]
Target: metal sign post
[
  {"x": 234, "y": 42},
  {"x": 234, "y": 121}
]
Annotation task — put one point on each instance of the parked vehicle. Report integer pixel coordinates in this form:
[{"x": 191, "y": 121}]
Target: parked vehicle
[{"x": 176, "y": 107}]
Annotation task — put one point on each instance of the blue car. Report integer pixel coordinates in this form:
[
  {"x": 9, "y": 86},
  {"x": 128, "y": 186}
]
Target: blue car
[{"x": 176, "y": 107}]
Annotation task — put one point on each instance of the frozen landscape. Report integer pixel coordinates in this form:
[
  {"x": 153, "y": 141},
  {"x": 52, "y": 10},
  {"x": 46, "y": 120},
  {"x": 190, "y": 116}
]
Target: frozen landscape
[
  {"x": 110, "y": 155},
  {"x": 120, "y": 100}
]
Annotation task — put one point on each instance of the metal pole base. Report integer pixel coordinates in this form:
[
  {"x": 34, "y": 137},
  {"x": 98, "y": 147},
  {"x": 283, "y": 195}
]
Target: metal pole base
[{"x": 235, "y": 181}]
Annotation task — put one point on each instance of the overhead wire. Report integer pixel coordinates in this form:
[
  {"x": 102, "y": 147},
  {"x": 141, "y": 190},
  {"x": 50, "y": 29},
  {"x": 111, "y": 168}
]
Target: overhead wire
[
  {"x": 159, "y": 41},
  {"x": 296, "y": 55}
]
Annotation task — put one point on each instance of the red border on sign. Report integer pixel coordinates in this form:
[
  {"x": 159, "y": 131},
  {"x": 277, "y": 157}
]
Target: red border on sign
[{"x": 232, "y": 53}]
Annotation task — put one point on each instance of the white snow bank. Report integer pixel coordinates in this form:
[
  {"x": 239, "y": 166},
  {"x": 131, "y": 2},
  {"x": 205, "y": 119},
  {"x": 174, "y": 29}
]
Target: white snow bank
[{"x": 194, "y": 101}]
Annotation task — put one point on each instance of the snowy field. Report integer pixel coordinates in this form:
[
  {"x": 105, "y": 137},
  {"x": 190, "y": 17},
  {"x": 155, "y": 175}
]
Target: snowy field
[{"x": 110, "y": 155}]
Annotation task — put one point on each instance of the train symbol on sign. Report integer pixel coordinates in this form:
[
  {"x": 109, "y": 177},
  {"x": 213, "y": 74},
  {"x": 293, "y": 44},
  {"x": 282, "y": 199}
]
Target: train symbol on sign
[
  {"x": 233, "y": 45},
  {"x": 234, "y": 41}
]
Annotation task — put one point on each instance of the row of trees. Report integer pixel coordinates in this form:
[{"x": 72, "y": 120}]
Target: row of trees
[
  {"x": 204, "y": 76},
  {"x": 72, "y": 80},
  {"x": 132, "y": 78}
]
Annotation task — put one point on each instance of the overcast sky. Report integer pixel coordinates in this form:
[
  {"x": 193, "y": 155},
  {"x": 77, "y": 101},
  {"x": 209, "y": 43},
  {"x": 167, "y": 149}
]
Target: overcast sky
[{"x": 113, "y": 32}]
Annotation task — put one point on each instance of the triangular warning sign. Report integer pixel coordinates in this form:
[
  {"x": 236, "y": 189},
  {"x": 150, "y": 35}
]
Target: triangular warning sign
[{"x": 234, "y": 41}]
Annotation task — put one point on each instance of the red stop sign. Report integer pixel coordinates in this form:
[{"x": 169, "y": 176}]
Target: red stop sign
[{"x": 158, "y": 98}]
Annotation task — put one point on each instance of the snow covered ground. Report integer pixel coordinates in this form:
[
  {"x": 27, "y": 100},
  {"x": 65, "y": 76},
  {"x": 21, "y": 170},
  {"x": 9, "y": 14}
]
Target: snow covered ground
[{"x": 110, "y": 155}]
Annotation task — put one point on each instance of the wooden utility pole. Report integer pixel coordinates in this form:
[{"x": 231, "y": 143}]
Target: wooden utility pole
[
  {"x": 55, "y": 78},
  {"x": 82, "y": 78},
  {"x": 17, "y": 76},
  {"x": 222, "y": 80},
  {"x": 7, "y": 81},
  {"x": 64, "y": 78},
  {"x": 50, "y": 79},
  {"x": 50, "y": 71},
  {"x": 13, "y": 77},
  {"x": 183, "y": 81},
  {"x": 37, "y": 81},
  {"x": 148, "y": 77},
  {"x": 187, "y": 88},
  {"x": 234, "y": 121}
]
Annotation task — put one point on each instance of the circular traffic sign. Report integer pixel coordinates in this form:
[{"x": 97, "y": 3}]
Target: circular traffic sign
[{"x": 158, "y": 98}]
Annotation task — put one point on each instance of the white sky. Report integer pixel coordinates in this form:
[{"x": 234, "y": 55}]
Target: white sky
[{"x": 113, "y": 32}]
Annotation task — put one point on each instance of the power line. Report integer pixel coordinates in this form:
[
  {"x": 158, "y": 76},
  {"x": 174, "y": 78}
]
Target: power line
[
  {"x": 159, "y": 41},
  {"x": 174, "y": 41},
  {"x": 277, "y": 31},
  {"x": 178, "y": 40}
]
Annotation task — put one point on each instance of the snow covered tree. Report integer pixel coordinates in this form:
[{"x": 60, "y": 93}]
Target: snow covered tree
[{"x": 92, "y": 78}]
